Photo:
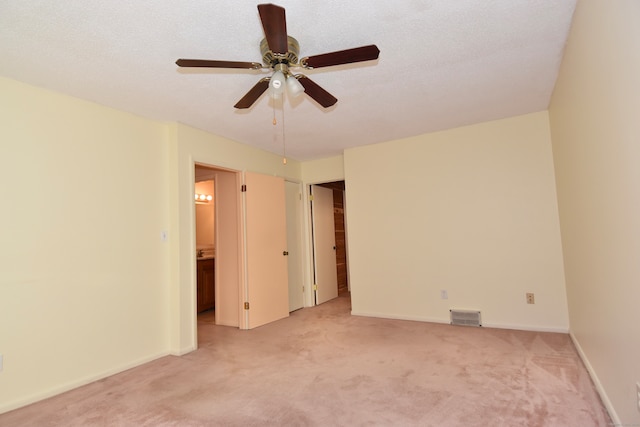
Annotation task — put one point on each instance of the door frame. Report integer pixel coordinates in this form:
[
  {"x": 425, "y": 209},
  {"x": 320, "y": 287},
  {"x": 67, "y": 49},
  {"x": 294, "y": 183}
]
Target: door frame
[
  {"x": 237, "y": 256},
  {"x": 308, "y": 238},
  {"x": 324, "y": 237}
]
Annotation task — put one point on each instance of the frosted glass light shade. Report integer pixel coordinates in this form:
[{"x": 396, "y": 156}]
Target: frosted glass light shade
[
  {"x": 294, "y": 87},
  {"x": 276, "y": 84}
]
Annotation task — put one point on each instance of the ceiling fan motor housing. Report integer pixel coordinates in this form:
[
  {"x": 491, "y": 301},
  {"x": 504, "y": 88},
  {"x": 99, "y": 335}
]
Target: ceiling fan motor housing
[{"x": 289, "y": 58}]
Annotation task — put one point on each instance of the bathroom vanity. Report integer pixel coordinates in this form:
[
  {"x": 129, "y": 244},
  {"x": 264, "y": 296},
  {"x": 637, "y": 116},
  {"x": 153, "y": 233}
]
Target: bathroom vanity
[{"x": 206, "y": 283}]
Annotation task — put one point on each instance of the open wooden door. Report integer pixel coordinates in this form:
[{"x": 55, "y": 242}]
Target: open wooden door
[
  {"x": 266, "y": 248},
  {"x": 294, "y": 245},
  {"x": 324, "y": 244},
  {"x": 228, "y": 269}
]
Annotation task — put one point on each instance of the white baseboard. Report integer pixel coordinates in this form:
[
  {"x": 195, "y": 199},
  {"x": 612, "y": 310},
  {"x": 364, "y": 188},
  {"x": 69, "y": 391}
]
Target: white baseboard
[
  {"x": 399, "y": 317},
  {"x": 447, "y": 321},
  {"x": 596, "y": 381},
  {"x": 532, "y": 328},
  {"x": 36, "y": 397},
  {"x": 182, "y": 351}
]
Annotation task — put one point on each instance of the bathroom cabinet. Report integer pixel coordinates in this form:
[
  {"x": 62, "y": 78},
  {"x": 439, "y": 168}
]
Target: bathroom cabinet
[{"x": 206, "y": 284}]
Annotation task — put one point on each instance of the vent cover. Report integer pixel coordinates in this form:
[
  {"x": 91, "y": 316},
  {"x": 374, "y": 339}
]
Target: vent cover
[{"x": 465, "y": 317}]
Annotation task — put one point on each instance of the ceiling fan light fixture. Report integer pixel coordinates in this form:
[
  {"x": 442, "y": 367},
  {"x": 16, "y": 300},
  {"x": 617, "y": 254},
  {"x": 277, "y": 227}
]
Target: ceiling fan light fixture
[
  {"x": 294, "y": 87},
  {"x": 277, "y": 84}
]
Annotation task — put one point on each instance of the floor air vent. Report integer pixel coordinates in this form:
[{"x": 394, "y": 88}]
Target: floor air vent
[{"x": 465, "y": 317}]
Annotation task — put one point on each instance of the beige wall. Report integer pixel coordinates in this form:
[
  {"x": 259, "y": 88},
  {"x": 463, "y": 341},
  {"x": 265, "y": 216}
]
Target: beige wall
[
  {"x": 87, "y": 286},
  {"x": 596, "y": 144},
  {"x": 323, "y": 170},
  {"x": 83, "y": 270},
  {"x": 471, "y": 211}
]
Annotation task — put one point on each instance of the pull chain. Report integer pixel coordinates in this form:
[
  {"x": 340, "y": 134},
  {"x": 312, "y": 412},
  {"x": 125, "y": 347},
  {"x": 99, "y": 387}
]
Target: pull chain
[
  {"x": 284, "y": 145},
  {"x": 274, "y": 112}
]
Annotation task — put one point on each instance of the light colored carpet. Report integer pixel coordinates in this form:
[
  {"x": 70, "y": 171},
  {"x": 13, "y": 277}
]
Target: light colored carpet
[{"x": 324, "y": 367}]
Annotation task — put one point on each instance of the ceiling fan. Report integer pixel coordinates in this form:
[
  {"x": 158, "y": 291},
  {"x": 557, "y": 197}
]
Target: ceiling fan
[{"x": 280, "y": 53}]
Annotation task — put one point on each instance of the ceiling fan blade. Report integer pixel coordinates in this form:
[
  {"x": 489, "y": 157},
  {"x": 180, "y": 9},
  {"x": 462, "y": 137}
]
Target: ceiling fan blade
[
  {"x": 217, "y": 64},
  {"x": 274, "y": 24},
  {"x": 318, "y": 94},
  {"x": 253, "y": 94},
  {"x": 348, "y": 56}
]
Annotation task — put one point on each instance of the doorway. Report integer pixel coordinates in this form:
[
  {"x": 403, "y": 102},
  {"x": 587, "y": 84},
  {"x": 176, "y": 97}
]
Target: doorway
[
  {"x": 338, "y": 188},
  {"x": 329, "y": 243},
  {"x": 205, "y": 245},
  {"x": 218, "y": 248}
]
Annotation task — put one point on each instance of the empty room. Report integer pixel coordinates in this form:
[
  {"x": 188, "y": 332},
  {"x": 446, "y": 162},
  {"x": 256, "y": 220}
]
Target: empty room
[{"x": 489, "y": 205}]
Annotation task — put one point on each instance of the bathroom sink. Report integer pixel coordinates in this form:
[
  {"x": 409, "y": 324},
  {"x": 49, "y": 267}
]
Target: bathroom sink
[{"x": 205, "y": 254}]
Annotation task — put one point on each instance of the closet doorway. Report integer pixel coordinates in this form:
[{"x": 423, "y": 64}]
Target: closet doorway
[{"x": 330, "y": 204}]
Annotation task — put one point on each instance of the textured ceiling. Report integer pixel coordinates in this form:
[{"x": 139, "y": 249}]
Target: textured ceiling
[{"x": 442, "y": 64}]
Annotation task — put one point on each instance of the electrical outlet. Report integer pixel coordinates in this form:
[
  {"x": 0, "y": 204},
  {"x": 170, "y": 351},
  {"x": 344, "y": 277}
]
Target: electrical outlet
[
  {"x": 530, "y": 298},
  {"x": 638, "y": 394},
  {"x": 444, "y": 294}
]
